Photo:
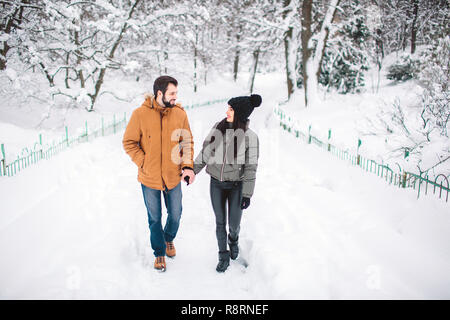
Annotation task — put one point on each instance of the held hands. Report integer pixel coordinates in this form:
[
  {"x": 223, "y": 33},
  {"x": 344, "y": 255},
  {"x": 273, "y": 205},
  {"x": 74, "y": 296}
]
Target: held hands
[
  {"x": 188, "y": 175},
  {"x": 245, "y": 203}
]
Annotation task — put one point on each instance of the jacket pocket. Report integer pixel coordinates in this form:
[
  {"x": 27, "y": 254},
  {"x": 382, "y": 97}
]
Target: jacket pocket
[
  {"x": 144, "y": 167},
  {"x": 241, "y": 172},
  {"x": 146, "y": 149}
]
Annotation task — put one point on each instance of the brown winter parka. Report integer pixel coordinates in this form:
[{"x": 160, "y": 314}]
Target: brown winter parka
[{"x": 159, "y": 141}]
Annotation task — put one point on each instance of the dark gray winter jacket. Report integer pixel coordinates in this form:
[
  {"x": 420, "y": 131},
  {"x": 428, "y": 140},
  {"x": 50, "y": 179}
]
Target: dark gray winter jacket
[{"x": 220, "y": 161}]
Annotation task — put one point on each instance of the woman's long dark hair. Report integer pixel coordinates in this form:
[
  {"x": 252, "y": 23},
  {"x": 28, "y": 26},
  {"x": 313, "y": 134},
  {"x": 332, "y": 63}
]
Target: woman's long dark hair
[{"x": 236, "y": 124}]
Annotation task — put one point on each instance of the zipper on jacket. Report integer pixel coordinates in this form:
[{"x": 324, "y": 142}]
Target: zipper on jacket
[
  {"x": 225, "y": 155},
  {"x": 162, "y": 178}
]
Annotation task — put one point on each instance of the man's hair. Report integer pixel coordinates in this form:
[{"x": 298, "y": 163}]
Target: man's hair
[{"x": 162, "y": 83}]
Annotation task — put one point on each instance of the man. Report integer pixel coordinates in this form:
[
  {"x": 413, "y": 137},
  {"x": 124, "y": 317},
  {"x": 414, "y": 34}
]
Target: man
[{"x": 159, "y": 141}]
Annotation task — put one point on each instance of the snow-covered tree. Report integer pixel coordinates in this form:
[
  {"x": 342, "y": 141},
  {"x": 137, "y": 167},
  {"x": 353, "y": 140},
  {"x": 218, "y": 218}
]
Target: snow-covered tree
[
  {"x": 346, "y": 56},
  {"x": 260, "y": 34},
  {"x": 188, "y": 29},
  {"x": 435, "y": 77},
  {"x": 17, "y": 19},
  {"x": 290, "y": 40},
  {"x": 76, "y": 42},
  {"x": 313, "y": 46},
  {"x": 413, "y": 22}
]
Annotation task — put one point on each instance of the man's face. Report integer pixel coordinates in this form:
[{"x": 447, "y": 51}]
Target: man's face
[{"x": 170, "y": 97}]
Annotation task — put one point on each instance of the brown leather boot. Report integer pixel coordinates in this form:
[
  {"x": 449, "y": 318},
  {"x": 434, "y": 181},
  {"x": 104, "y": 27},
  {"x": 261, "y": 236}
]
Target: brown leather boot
[
  {"x": 160, "y": 263},
  {"x": 170, "y": 249}
]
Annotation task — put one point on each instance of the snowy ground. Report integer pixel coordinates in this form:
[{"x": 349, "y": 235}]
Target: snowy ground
[{"x": 75, "y": 227}]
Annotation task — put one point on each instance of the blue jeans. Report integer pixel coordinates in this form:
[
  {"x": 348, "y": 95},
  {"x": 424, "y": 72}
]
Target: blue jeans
[{"x": 172, "y": 200}]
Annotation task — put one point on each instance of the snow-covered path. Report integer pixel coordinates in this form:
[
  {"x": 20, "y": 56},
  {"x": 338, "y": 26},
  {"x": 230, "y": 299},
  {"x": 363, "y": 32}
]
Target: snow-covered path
[{"x": 76, "y": 227}]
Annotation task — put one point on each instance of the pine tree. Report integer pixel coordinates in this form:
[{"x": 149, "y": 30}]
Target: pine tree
[{"x": 346, "y": 55}]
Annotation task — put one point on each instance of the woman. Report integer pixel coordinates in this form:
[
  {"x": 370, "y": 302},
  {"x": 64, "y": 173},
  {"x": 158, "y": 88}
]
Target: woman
[{"x": 230, "y": 153}]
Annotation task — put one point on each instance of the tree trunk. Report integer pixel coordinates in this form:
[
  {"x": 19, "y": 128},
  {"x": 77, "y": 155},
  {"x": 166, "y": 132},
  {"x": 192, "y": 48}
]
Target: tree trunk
[
  {"x": 166, "y": 56},
  {"x": 254, "y": 68},
  {"x": 205, "y": 64},
  {"x": 66, "y": 79},
  {"x": 14, "y": 21},
  {"x": 312, "y": 59},
  {"x": 288, "y": 53},
  {"x": 236, "y": 57},
  {"x": 159, "y": 62},
  {"x": 47, "y": 75},
  {"x": 236, "y": 65},
  {"x": 82, "y": 80},
  {"x": 6, "y": 28},
  {"x": 414, "y": 26},
  {"x": 306, "y": 50},
  {"x": 195, "y": 60},
  {"x": 78, "y": 54},
  {"x": 379, "y": 44},
  {"x": 327, "y": 34},
  {"x": 290, "y": 72},
  {"x": 3, "y": 51},
  {"x": 404, "y": 36}
]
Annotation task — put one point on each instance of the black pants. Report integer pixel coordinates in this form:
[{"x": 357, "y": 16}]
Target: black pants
[{"x": 223, "y": 193}]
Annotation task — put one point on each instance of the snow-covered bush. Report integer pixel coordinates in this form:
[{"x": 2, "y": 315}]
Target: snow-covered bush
[
  {"x": 405, "y": 68},
  {"x": 343, "y": 69},
  {"x": 414, "y": 144}
]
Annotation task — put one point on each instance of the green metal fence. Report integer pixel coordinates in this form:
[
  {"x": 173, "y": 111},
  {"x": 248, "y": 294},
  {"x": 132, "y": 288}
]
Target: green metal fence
[
  {"x": 40, "y": 151},
  {"x": 394, "y": 176},
  {"x": 206, "y": 103}
]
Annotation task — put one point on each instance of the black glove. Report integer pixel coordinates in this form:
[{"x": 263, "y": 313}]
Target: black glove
[{"x": 245, "y": 203}]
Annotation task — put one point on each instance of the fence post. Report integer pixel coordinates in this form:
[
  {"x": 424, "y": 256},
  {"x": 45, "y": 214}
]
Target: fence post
[
  {"x": 399, "y": 175},
  {"x": 3, "y": 159},
  {"x": 404, "y": 179},
  {"x": 406, "y": 153},
  {"x": 40, "y": 142},
  {"x": 329, "y": 137},
  {"x": 359, "y": 157},
  {"x": 309, "y": 134},
  {"x": 67, "y": 136}
]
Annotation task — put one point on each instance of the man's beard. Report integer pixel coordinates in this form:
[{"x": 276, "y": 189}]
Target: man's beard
[{"x": 167, "y": 104}]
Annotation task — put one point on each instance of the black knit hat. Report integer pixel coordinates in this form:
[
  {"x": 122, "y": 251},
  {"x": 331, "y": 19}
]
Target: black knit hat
[{"x": 243, "y": 106}]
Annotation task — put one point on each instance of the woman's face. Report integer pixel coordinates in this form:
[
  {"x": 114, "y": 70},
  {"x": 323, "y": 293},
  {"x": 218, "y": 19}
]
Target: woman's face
[{"x": 230, "y": 114}]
